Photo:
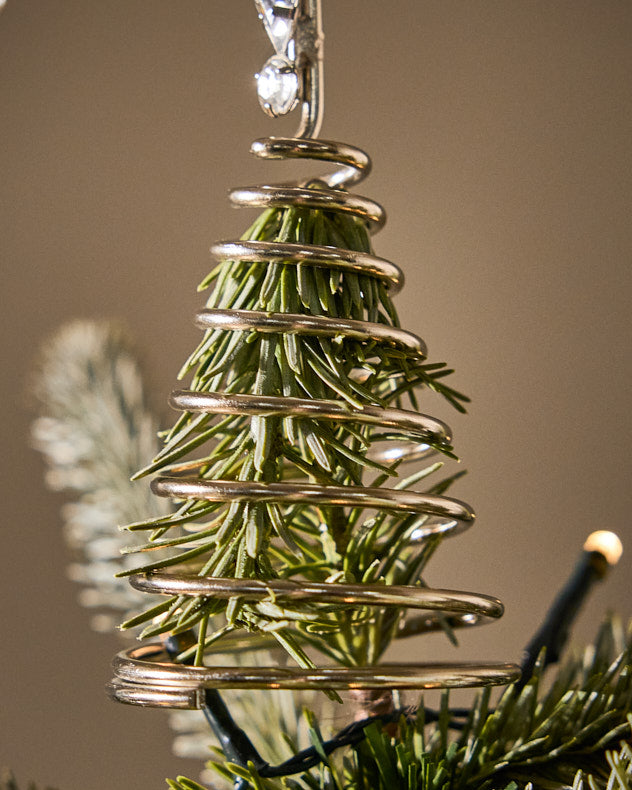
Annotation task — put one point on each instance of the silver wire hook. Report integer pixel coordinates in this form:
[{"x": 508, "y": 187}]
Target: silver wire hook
[{"x": 294, "y": 74}]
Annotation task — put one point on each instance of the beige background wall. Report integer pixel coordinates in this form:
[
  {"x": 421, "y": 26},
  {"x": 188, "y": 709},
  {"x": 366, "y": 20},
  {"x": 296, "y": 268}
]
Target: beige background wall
[{"x": 500, "y": 132}]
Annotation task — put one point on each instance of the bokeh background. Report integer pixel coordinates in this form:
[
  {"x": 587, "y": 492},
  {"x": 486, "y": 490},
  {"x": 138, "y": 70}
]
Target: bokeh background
[{"x": 500, "y": 133}]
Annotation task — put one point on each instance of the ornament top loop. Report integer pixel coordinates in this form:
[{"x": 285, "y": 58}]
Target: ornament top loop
[{"x": 294, "y": 74}]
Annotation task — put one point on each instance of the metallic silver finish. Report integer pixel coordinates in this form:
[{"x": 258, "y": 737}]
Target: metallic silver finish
[
  {"x": 133, "y": 693},
  {"x": 310, "y": 494},
  {"x": 316, "y": 326},
  {"x": 144, "y": 675},
  {"x": 448, "y": 602},
  {"x": 304, "y": 197},
  {"x": 409, "y": 422},
  {"x": 301, "y": 48},
  {"x": 405, "y": 452},
  {"x": 354, "y": 163},
  {"x": 309, "y": 59},
  {"x": 324, "y": 257}
]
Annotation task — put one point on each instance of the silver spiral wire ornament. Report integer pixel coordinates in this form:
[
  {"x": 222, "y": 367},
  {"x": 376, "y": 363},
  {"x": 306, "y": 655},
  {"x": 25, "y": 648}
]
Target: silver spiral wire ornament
[{"x": 145, "y": 675}]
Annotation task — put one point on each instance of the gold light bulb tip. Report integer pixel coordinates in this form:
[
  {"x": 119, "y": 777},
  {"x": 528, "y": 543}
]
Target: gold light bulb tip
[{"x": 606, "y": 543}]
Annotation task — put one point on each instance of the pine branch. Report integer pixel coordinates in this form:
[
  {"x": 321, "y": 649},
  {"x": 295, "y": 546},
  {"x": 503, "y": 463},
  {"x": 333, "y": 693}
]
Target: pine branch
[
  {"x": 565, "y": 735},
  {"x": 567, "y": 728},
  {"x": 266, "y": 540},
  {"x": 273, "y": 718},
  {"x": 94, "y": 431}
]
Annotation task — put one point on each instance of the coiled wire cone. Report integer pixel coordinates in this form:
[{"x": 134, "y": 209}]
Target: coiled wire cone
[{"x": 145, "y": 675}]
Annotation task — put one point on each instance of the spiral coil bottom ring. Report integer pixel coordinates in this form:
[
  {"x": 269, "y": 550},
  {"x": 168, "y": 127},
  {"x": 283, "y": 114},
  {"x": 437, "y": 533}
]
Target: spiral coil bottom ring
[{"x": 144, "y": 675}]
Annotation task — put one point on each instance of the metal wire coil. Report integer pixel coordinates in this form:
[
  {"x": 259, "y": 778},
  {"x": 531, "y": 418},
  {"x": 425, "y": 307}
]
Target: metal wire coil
[{"x": 144, "y": 675}]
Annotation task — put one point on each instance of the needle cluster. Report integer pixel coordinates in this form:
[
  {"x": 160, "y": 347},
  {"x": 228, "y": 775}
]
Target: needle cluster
[
  {"x": 569, "y": 732},
  {"x": 266, "y": 539}
]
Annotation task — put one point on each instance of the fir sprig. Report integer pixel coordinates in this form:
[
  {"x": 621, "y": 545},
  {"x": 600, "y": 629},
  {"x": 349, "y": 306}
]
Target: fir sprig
[
  {"x": 94, "y": 429},
  {"x": 266, "y": 540},
  {"x": 564, "y": 734}
]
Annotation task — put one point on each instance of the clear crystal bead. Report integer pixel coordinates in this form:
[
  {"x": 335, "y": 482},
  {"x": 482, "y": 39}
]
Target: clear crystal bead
[
  {"x": 277, "y": 86},
  {"x": 279, "y": 19}
]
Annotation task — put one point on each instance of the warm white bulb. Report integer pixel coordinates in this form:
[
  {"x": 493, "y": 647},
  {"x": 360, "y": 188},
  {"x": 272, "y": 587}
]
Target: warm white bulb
[{"x": 606, "y": 543}]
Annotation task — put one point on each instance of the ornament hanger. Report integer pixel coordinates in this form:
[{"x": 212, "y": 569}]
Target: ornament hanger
[{"x": 294, "y": 74}]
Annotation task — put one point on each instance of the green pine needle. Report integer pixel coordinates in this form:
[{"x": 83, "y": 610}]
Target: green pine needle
[
  {"x": 571, "y": 732},
  {"x": 263, "y": 541}
]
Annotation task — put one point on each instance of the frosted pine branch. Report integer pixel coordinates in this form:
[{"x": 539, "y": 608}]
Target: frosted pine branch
[{"x": 95, "y": 431}]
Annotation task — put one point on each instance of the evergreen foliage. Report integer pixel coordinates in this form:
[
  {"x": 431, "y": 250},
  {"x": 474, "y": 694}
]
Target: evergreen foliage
[
  {"x": 94, "y": 430},
  {"x": 264, "y": 539},
  {"x": 572, "y": 732},
  {"x": 567, "y": 733}
]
